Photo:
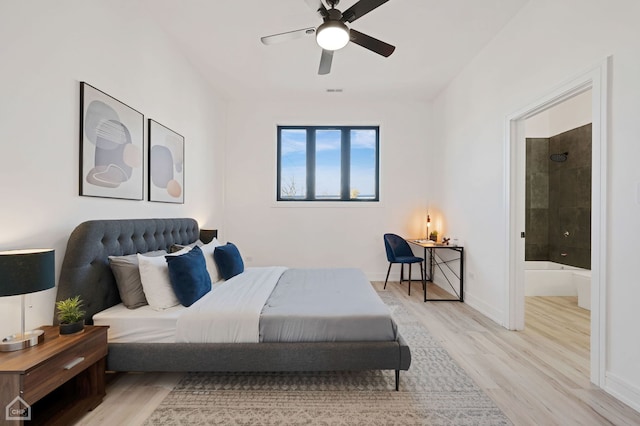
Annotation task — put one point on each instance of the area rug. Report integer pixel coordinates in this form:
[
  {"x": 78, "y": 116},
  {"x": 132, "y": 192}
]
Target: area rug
[{"x": 434, "y": 391}]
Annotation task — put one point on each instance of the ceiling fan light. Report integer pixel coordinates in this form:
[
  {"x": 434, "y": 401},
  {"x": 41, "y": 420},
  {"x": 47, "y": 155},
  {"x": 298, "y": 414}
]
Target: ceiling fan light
[{"x": 332, "y": 35}]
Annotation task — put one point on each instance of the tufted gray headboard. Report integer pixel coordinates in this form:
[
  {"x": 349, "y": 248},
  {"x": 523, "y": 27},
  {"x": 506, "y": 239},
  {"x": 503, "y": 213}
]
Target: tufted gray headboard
[{"x": 85, "y": 269}]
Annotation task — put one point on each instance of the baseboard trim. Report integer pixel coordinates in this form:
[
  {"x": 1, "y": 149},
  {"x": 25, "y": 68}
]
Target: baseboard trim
[
  {"x": 622, "y": 390},
  {"x": 484, "y": 308}
]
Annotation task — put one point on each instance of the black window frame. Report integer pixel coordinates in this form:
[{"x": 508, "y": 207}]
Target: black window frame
[{"x": 345, "y": 162}]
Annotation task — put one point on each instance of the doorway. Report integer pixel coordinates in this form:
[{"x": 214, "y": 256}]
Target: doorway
[{"x": 596, "y": 80}]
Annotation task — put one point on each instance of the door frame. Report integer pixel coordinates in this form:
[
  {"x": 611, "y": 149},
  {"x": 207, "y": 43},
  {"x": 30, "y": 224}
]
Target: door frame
[{"x": 596, "y": 79}]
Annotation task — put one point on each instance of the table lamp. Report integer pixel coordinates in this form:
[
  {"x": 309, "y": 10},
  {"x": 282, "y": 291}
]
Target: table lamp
[
  {"x": 428, "y": 226},
  {"x": 23, "y": 272}
]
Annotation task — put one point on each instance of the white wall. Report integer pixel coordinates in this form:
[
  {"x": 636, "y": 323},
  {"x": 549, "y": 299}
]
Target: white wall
[
  {"x": 47, "y": 49},
  {"x": 568, "y": 115},
  {"x": 321, "y": 235},
  {"x": 548, "y": 43}
]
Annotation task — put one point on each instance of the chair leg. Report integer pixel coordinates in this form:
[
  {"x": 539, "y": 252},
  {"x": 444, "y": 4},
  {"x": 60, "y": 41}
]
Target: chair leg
[
  {"x": 401, "y": 273},
  {"x": 409, "y": 279},
  {"x": 386, "y": 279}
]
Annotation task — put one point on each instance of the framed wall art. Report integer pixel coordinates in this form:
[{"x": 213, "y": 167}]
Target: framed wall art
[
  {"x": 166, "y": 164},
  {"x": 111, "y": 147}
]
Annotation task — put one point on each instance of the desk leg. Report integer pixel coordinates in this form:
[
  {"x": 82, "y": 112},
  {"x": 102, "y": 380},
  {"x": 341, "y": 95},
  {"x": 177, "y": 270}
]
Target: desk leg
[
  {"x": 428, "y": 268},
  {"x": 462, "y": 274},
  {"x": 424, "y": 276}
]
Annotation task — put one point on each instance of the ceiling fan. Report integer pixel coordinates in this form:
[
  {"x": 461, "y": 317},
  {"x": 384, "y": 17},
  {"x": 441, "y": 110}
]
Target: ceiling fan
[{"x": 333, "y": 34}]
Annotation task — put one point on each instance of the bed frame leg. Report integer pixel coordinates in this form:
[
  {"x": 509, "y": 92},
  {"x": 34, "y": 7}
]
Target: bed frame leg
[{"x": 397, "y": 380}]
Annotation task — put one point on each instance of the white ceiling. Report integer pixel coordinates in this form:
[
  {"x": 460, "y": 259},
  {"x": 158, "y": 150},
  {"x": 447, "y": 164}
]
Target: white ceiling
[{"x": 434, "y": 40}]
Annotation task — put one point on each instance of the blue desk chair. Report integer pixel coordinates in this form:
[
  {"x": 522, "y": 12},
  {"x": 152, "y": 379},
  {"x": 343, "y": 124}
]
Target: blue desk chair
[{"x": 398, "y": 251}]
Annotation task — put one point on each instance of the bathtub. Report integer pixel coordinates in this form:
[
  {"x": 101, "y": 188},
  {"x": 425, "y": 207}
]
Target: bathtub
[{"x": 544, "y": 278}]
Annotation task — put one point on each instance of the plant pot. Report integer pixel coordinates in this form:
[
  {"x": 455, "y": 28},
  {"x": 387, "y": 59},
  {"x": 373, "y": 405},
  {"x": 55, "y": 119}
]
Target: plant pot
[{"x": 72, "y": 328}]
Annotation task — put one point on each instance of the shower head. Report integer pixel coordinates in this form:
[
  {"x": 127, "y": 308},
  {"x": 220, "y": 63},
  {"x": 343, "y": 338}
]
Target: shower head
[{"x": 559, "y": 158}]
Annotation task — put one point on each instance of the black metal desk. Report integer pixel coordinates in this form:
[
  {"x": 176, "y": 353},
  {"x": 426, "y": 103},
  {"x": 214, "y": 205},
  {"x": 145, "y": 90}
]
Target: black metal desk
[{"x": 432, "y": 259}]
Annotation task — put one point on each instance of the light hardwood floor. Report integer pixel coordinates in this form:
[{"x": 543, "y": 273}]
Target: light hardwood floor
[{"x": 539, "y": 376}]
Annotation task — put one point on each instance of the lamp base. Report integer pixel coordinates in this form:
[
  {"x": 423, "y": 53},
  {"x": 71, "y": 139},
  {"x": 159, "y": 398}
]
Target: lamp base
[{"x": 19, "y": 341}]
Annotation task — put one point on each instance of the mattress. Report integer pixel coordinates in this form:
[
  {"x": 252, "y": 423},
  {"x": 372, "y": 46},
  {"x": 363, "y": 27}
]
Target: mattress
[{"x": 141, "y": 325}]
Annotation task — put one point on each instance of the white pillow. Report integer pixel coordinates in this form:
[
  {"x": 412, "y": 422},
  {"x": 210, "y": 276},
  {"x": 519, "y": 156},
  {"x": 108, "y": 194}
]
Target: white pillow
[
  {"x": 156, "y": 284},
  {"x": 207, "y": 251}
]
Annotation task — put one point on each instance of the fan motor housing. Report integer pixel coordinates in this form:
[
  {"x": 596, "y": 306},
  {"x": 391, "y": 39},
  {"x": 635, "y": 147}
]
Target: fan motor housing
[{"x": 334, "y": 15}]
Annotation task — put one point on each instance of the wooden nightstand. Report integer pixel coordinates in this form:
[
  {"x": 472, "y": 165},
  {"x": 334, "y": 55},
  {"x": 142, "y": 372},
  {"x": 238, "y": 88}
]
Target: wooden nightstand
[{"x": 61, "y": 378}]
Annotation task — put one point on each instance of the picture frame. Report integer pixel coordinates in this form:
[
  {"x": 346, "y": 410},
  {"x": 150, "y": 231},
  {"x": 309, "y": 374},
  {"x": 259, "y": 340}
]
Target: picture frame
[
  {"x": 111, "y": 147},
  {"x": 166, "y": 164}
]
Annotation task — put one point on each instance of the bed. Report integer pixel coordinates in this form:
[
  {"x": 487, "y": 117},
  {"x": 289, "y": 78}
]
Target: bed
[{"x": 86, "y": 272}]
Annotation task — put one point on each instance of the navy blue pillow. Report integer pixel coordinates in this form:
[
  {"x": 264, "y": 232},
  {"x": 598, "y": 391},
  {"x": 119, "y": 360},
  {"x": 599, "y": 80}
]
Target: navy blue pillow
[
  {"x": 228, "y": 260},
  {"x": 189, "y": 277}
]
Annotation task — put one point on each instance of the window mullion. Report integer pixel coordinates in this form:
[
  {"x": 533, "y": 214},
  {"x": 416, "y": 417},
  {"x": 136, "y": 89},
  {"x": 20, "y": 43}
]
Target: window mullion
[
  {"x": 311, "y": 163},
  {"x": 377, "y": 181},
  {"x": 279, "y": 171},
  {"x": 345, "y": 175}
]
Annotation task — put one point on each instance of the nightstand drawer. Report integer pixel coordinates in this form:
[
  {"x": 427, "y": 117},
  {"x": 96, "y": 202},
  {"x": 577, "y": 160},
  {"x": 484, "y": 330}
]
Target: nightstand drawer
[{"x": 49, "y": 375}]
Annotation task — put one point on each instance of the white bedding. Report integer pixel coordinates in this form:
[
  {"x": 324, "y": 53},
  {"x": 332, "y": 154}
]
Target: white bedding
[
  {"x": 141, "y": 325},
  {"x": 230, "y": 313},
  {"x": 236, "y": 305}
]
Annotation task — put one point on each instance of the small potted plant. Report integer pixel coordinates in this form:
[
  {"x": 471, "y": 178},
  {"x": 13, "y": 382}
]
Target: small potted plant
[
  {"x": 433, "y": 236},
  {"x": 70, "y": 315}
]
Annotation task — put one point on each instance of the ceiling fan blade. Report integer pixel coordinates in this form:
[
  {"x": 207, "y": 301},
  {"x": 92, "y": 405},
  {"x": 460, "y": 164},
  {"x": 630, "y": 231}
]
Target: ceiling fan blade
[
  {"x": 373, "y": 44},
  {"x": 290, "y": 35},
  {"x": 318, "y": 7},
  {"x": 325, "y": 62},
  {"x": 360, "y": 9}
]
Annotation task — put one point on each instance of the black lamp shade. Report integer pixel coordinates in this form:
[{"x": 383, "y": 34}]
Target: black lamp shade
[
  {"x": 26, "y": 271},
  {"x": 207, "y": 235}
]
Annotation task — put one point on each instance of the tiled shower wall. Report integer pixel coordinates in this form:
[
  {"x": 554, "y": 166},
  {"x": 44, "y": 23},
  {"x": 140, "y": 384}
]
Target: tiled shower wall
[
  {"x": 537, "y": 199},
  {"x": 558, "y": 199}
]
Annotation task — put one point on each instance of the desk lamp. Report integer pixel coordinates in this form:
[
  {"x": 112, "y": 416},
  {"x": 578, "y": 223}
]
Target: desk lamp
[{"x": 23, "y": 272}]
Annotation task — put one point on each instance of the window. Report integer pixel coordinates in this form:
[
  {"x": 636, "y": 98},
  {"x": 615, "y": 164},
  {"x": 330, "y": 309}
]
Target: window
[{"x": 328, "y": 163}]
